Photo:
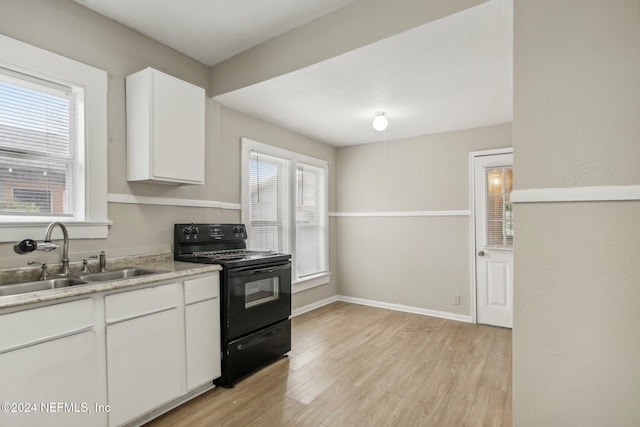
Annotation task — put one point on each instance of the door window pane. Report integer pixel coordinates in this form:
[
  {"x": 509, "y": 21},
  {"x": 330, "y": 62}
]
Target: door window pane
[{"x": 499, "y": 184}]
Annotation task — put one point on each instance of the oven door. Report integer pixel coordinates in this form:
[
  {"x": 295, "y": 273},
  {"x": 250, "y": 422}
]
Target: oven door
[{"x": 256, "y": 297}]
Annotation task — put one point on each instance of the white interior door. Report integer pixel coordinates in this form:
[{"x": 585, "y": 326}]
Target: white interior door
[{"x": 493, "y": 182}]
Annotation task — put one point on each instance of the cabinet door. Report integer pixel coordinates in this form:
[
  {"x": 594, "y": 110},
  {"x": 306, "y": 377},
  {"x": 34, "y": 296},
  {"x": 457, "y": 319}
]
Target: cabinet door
[
  {"x": 178, "y": 129},
  {"x": 203, "y": 342},
  {"x": 60, "y": 377},
  {"x": 144, "y": 360}
]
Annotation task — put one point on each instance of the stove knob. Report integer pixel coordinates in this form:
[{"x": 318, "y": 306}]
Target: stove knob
[
  {"x": 236, "y": 229},
  {"x": 186, "y": 231},
  {"x": 194, "y": 230}
]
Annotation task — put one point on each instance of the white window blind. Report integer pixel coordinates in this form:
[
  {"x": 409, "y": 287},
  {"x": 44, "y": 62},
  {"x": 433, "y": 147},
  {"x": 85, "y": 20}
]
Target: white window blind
[
  {"x": 36, "y": 147},
  {"x": 285, "y": 206},
  {"x": 499, "y": 182},
  {"x": 269, "y": 210},
  {"x": 311, "y": 220}
]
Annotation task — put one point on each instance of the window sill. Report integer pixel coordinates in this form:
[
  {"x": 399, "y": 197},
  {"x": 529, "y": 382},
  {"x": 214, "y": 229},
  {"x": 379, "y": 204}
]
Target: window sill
[
  {"x": 16, "y": 231},
  {"x": 310, "y": 282}
]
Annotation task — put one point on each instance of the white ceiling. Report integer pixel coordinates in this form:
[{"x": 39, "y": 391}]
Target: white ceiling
[
  {"x": 451, "y": 74},
  {"x": 211, "y": 31}
]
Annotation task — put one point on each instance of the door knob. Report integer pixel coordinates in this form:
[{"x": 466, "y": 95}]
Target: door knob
[{"x": 481, "y": 253}]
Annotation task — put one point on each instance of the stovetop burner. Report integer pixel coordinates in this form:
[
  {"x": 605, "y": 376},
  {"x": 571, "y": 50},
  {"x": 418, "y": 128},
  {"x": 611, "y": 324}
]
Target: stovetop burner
[
  {"x": 223, "y": 244},
  {"x": 232, "y": 254}
]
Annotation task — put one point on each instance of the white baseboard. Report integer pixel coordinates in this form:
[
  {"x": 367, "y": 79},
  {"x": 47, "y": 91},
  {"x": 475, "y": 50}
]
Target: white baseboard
[
  {"x": 407, "y": 309},
  {"x": 313, "y": 306},
  {"x": 380, "y": 304}
]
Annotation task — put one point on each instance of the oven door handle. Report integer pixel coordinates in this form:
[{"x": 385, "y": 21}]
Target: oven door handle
[{"x": 250, "y": 271}]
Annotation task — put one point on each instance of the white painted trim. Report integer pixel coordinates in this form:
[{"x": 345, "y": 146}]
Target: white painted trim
[
  {"x": 251, "y": 145},
  {"x": 313, "y": 306},
  {"x": 169, "y": 201},
  {"x": 310, "y": 283},
  {"x": 16, "y": 231},
  {"x": 577, "y": 194},
  {"x": 34, "y": 61},
  {"x": 407, "y": 309},
  {"x": 506, "y": 150},
  {"x": 401, "y": 213},
  {"x": 472, "y": 237}
]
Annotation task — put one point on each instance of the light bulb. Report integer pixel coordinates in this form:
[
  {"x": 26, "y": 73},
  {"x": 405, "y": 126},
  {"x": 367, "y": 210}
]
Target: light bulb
[{"x": 380, "y": 122}]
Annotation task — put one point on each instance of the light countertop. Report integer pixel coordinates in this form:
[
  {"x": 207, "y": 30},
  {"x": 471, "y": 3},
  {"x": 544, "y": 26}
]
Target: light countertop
[{"x": 171, "y": 270}]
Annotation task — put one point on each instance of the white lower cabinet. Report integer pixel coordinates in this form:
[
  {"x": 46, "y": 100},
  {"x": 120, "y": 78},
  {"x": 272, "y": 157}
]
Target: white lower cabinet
[
  {"x": 143, "y": 364},
  {"x": 202, "y": 327},
  {"x": 111, "y": 358},
  {"x": 49, "y": 367},
  {"x": 203, "y": 342}
]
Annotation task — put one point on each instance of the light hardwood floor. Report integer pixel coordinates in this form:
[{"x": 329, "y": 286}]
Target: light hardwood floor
[{"x": 353, "y": 365}]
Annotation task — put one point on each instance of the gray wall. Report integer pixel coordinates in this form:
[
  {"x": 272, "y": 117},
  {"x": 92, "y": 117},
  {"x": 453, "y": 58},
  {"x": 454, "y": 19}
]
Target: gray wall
[
  {"x": 71, "y": 30},
  {"x": 414, "y": 261},
  {"x": 577, "y": 277}
]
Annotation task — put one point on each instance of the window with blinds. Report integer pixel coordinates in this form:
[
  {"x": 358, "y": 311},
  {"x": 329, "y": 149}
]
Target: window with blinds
[
  {"x": 499, "y": 183},
  {"x": 270, "y": 205},
  {"x": 37, "y": 151},
  {"x": 286, "y": 208},
  {"x": 311, "y": 219}
]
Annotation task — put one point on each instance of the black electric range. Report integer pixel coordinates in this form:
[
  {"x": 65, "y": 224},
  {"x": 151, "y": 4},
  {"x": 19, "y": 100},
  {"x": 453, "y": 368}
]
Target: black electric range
[{"x": 255, "y": 295}]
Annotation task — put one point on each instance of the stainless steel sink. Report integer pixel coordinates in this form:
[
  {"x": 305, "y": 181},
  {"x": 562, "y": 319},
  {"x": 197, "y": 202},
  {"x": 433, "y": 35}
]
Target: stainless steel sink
[
  {"x": 107, "y": 276},
  {"x": 40, "y": 285},
  {"x": 124, "y": 273}
]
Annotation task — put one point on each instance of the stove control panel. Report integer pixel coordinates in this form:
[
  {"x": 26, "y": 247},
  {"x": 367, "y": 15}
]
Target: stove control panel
[{"x": 203, "y": 233}]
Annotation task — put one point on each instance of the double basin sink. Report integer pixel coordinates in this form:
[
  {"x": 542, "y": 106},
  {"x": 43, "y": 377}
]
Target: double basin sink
[{"x": 83, "y": 279}]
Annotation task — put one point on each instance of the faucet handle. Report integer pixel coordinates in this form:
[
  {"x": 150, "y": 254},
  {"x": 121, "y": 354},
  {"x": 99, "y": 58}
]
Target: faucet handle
[
  {"x": 85, "y": 263},
  {"x": 44, "y": 274}
]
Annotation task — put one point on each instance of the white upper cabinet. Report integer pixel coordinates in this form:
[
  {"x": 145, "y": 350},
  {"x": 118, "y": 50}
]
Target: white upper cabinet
[{"x": 165, "y": 129}]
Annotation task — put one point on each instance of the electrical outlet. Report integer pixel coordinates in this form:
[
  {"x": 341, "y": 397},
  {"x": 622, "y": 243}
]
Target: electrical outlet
[{"x": 456, "y": 300}]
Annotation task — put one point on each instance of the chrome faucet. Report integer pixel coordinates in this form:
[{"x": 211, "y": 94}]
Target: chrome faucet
[{"x": 65, "y": 246}]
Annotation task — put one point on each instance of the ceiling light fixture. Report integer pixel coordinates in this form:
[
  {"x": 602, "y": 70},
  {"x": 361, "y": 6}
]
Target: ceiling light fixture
[{"x": 380, "y": 121}]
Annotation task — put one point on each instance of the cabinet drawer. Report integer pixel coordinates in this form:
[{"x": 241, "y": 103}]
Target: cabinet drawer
[
  {"x": 127, "y": 305},
  {"x": 201, "y": 289},
  {"x": 28, "y": 327}
]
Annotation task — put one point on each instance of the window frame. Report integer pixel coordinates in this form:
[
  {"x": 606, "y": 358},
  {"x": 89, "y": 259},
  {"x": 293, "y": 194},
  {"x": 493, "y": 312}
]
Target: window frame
[
  {"x": 321, "y": 205},
  {"x": 250, "y": 146},
  {"x": 90, "y": 85}
]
